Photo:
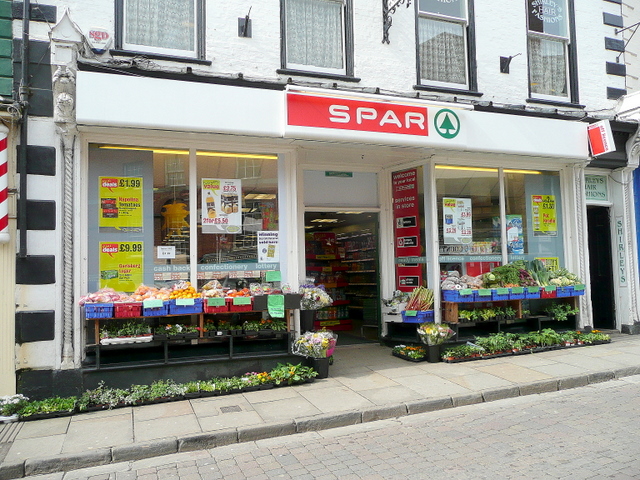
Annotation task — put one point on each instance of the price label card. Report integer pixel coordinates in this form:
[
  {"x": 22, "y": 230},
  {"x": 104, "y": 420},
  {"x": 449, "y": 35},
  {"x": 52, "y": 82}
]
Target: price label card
[
  {"x": 152, "y": 303},
  {"x": 273, "y": 276},
  {"x": 215, "y": 302},
  {"x": 242, "y": 300},
  {"x": 502, "y": 291},
  {"x": 185, "y": 301},
  {"x": 410, "y": 313},
  {"x": 484, "y": 292},
  {"x": 465, "y": 291}
]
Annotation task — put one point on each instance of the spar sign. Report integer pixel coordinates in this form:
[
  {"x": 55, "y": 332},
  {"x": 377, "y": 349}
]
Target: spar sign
[{"x": 369, "y": 115}]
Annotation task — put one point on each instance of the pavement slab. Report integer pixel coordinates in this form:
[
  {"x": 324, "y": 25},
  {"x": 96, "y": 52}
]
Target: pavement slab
[{"x": 366, "y": 383}]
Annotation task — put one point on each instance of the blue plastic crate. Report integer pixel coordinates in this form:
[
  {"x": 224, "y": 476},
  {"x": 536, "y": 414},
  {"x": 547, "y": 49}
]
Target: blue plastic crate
[
  {"x": 578, "y": 290},
  {"x": 175, "y": 309},
  {"x": 565, "y": 291},
  {"x": 156, "y": 311},
  {"x": 532, "y": 294},
  {"x": 497, "y": 297},
  {"x": 426, "y": 316},
  {"x": 450, "y": 295},
  {"x": 518, "y": 294},
  {"x": 477, "y": 297},
  {"x": 98, "y": 310},
  {"x": 410, "y": 318}
]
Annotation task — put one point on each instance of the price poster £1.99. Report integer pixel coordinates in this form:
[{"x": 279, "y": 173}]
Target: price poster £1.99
[{"x": 120, "y": 203}]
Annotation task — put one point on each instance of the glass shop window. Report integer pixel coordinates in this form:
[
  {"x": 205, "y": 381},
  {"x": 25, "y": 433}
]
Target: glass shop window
[{"x": 152, "y": 221}]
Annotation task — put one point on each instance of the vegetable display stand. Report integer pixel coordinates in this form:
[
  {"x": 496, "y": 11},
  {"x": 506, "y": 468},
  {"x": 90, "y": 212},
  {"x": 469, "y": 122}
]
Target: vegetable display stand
[{"x": 199, "y": 346}]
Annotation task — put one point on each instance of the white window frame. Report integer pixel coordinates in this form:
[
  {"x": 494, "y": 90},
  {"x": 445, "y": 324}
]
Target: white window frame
[
  {"x": 565, "y": 48},
  {"x": 197, "y": 6},
  {"x": 565, "y": 44},
  {"x": 464, "y": 23},
  {"x": 314, "y": 68}
]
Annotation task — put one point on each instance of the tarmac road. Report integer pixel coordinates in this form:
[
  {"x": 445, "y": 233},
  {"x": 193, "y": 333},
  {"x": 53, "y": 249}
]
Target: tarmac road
[{"x": 591, "y": 432}]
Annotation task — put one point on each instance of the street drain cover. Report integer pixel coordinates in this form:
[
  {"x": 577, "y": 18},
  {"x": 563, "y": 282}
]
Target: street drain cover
[{"x": 230, "y": 409}]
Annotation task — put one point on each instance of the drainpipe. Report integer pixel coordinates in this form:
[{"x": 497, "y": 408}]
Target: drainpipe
[{"x": 22, "y": 157}]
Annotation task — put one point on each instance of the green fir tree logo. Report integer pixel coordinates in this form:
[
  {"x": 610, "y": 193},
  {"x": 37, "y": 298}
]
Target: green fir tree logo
[{"x": 446, "y": 123}]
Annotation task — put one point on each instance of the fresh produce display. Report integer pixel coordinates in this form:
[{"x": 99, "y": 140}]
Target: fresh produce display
[
  {"x": 181, "y": 290},
  {"x": 421, "y": 299},
  {"x": 515, "y": 274},
  {"x": 456, "y": 282}
]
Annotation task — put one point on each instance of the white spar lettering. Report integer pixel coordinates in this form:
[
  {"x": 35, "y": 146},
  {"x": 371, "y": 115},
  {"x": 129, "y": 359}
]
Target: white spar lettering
[{"x": 341, "y": 114}]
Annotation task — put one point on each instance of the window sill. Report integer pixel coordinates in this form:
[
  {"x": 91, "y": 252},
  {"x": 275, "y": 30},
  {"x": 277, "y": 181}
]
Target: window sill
[
  {"x": 156, "y": 56},
  {"x": 555, "y": 103},
  {"x": 305, "y": 73},
  {"x": 453, "y": 91}
]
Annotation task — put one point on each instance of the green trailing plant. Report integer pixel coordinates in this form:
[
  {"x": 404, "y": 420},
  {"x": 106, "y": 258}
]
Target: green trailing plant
[
  {"x": 462, "y": 351},
  {"x": 410, "y": 351},
  {"x": 561, "y": 311},
  {"x": 102, "y": 396},
  {"x": 48, "y": 405},
  {"x": 128, "y": 329},
  {"x": 11, "y": 404}
]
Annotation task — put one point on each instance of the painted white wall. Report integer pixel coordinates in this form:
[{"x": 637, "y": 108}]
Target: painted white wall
[
  {"x": 631, "y": 14},
  {"x": 500, "y": 31}
]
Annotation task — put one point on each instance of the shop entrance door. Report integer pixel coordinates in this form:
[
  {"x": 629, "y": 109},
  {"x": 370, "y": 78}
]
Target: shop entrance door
[
  {"x": 342, "y": 254},
  {"x": 601, "y": 267}
]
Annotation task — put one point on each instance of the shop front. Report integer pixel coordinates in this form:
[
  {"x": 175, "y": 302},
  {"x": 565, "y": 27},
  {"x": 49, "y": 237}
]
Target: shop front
[{"x": 261, "y": 183}]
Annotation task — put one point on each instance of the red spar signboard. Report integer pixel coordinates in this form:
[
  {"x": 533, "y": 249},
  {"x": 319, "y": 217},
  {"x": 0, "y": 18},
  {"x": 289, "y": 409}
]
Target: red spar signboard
[{"x": 348, "y": 114}]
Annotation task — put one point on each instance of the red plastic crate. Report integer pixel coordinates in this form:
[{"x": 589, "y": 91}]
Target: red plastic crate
[
  {"x": 548, "y": 294},
  {"x": 239, "y": 308},
  {"x": 127, "y": 310},
  {"x": 215, "y": 309}
]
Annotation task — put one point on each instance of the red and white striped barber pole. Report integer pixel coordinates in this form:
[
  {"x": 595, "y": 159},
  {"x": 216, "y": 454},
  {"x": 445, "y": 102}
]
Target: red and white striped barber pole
[{"x": 4, "y": 186}]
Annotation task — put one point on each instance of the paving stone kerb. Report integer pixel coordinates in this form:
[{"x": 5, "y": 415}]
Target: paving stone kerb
[{"x": 188, "y": 443}]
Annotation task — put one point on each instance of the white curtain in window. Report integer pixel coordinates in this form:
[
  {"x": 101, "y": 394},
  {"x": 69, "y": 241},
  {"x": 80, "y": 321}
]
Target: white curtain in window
[
  {"x": 315, "y": 33},
  {"x": 160, "y": 23},
  {"x": 442, "y": 51},
  {"x": 548, "y": 66}
]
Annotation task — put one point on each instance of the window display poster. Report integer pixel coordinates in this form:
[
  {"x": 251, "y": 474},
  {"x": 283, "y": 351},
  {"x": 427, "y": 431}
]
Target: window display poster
[
  {"x": 120, "y": 203},
  {"x": 456, "y": 218},
  {"x": 268, "y": 247},
  {"x": 406, "y": 212},
  {"x": 543, "y": 210},
  {"x": 515, "y": 238},
  {"x": 221, "y": 205},
  {"x": 121, "y": 265}
]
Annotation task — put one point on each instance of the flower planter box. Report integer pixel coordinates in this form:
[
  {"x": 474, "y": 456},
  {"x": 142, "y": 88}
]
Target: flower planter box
[
  {"x": 123, "y": 340},
  {"x": 127, "y": 310},
  {"x": 98, "y": 310},
  {"x": 409, "y": 359},
  {"x": 216, "y": 333}
]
